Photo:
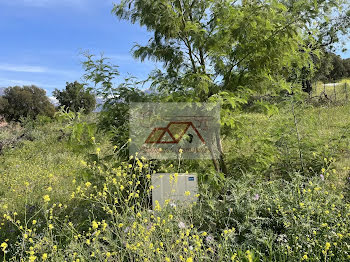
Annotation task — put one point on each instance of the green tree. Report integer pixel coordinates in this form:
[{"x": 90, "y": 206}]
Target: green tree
[
  {"x": 338, "y": 70},
  {"x": 76, "y": 97},
  {"x": 26, "y": 101},
  {"x": 114, "y": 115},
  {"x": 346, "y": 63},
  {"x": 331, "y": 67},
  {"x": 323, "y": 66},
  {"x": 230, "y": 50},
  {"x": 212, "y": 46}
]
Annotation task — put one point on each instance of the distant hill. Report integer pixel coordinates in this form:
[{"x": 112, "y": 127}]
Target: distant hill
[{"x": 2, "y": 89}]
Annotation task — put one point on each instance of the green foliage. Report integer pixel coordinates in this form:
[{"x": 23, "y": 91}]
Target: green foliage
[
  {"x": 331, "y": 67},
  {"x": 239, "y": 48},
  {"x": 346, "y": 63},
  {"x": 114, "y": 116},
  {"x": 88, "y": 204},
  {"x": 3, "y": 104},
  {"x": 279, "y": 220},
  {"x": 245, "y": 219},
  {"x": 229, "y": 51},
  {"x": 81, "y": 133},
  {"x": 76, "y": 97},
  {"x": 36, "y": 164},
  {"x": 69, "y": 193},
  {"x": 101, "y": 73},
  {"x": 26, "y": 101},
  {"x": 268, "y": 146}
]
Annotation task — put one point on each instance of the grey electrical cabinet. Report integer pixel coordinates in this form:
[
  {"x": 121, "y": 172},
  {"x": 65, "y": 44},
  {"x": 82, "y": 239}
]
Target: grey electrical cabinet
[{"x": 179, "y": 188}]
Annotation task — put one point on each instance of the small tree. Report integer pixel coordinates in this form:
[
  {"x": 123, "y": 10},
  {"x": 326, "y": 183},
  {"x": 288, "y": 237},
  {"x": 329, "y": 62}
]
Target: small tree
[
  {"x": 115, "y": 110},
  {"x": 26, "y": 101},
  {"x": 228, "y": 51},
  {"x": 76, "y": 97}
]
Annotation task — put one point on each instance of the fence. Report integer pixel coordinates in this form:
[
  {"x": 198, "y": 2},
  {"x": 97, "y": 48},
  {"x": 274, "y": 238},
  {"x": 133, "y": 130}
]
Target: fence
[{"x": 332, "y": 92}]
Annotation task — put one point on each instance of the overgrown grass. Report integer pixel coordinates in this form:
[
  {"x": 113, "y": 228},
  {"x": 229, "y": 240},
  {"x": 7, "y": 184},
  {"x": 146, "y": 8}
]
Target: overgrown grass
[
  {"x": 335, "y": 92},
  {"x": 285, "y": 142},
  {"x": 286, "y": 197}
]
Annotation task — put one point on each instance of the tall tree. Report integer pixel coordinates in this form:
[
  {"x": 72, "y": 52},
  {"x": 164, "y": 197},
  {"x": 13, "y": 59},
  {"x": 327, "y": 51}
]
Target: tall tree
[
  {"x": 75, "y": 97},
  {"x": 211, "y": 46},
  {"x": 227, "y": 50}
]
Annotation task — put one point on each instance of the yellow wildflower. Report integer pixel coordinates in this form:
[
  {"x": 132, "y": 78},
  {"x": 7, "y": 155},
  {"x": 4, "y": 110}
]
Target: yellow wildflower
[
  {"x": 94, "y": 224},
  {"x": 46, "y": 198},
  {"x": 4, "y": 246}
]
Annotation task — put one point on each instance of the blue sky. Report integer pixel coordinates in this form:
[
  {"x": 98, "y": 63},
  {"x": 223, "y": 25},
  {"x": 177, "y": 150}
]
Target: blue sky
[{"x": 41, "y": 41}]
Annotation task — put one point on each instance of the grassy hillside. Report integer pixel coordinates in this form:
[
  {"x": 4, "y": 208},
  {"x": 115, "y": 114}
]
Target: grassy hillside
[{"x": 68, "y": 195}]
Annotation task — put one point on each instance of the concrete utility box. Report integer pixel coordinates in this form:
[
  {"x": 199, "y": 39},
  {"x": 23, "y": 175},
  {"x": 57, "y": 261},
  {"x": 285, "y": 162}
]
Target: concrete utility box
[{"x": 180, "y": 188}]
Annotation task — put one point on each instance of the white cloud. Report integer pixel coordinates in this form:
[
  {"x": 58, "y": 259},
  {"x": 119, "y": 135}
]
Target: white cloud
[
  {"x": 37, "y": 69},
  {"x": 4, "y": 82},
  {"x": 53, "y": 100},
  {"x": 11, "y": 82},
  {"x": 23, "y": 68}
]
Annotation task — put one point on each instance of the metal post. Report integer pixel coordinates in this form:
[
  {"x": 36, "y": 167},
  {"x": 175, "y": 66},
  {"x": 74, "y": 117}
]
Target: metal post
[{"x": 346, "y": 93}]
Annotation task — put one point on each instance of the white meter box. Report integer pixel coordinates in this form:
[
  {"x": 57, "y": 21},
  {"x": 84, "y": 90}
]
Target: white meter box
[{"x": 177, "y": 188}]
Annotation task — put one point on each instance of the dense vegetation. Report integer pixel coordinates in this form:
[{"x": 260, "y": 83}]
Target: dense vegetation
[
  {"x": 279, "y": 191},
  {"x": 76, "y": 97},
  {"x": 69, "y": 195},
  {"x": 26, "y": 101},
  {"x": 332, "y": 67}
]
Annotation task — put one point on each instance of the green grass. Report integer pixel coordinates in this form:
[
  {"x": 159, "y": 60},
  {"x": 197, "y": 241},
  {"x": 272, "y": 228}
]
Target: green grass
[
  {"x": 61, "y": 200},
  {"x": 35, "y": 167},
  {"x": 339, "y": 92},
  {"x": 269, "y": 146}
]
